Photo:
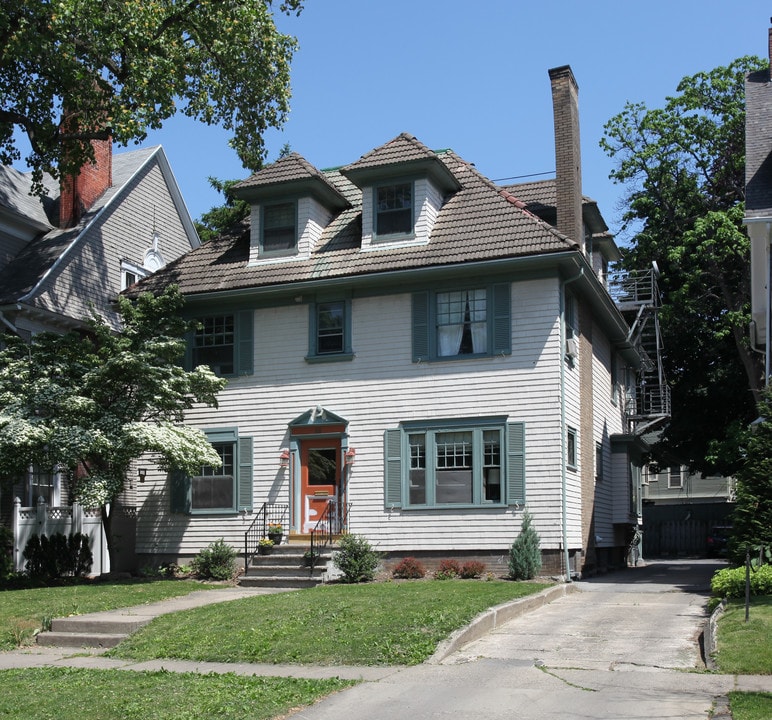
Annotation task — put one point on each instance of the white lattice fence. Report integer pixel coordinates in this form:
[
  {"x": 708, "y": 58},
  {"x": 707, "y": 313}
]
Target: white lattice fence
[{"x": 46, "y": 520}]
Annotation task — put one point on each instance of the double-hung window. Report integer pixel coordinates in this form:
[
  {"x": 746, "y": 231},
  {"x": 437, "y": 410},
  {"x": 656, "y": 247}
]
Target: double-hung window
[
  {"x": 462, "y": 323},
  {"x": 224, "y": 343},
  {"x": 217, "y": 489},
  {"x": 279, "y": 228},
  {"x": 455, "y": 463},
  {"x": 394, "y": 209},
  {"x": 330, "y": 331}
]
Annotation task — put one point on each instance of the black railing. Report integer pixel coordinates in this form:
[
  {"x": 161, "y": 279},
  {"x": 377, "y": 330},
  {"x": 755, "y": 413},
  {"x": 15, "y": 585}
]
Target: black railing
[
  {"x": 270, "y": 515},
  {"x": 333, "y": 522}
]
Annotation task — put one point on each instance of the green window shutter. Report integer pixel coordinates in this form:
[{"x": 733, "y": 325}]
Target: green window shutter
[
  {"x": 245, "y": 474},
  {"x": 420, "y": 326},
  {"x": 502, "y": 321},
  {"x": 246, "y": 349},
  {"x": 179, "y": 491},
  {"x": 393, "y": 471},
  {"x": 515, "y": 463}
]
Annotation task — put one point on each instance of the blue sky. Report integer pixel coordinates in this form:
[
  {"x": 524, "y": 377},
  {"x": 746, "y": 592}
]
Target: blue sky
[{"x": 472, "y": 76}]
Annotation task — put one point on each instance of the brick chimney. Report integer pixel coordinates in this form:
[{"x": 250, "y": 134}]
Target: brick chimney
[
  {"x": 78, "y": 193},
  {"x": 568, "y": 159}
]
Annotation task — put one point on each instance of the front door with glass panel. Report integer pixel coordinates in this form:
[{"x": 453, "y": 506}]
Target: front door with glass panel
[{"x": 319, "y": 479}]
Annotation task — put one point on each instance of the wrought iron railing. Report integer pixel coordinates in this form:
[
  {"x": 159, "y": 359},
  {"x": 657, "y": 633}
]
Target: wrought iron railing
[
  {"x": 332, "y": 522},
  {"x": 269, "y": 514}
]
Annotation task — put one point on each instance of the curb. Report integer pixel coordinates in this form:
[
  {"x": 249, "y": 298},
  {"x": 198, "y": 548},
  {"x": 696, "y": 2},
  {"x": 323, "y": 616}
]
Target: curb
[
  {"x": 492, "y": 618},
  {"x": 709, "y": 636}
]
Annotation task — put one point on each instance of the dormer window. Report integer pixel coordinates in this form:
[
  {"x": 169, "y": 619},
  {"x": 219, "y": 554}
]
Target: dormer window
[
  {"x": 279, "y": 226},
  {"x": 394, "y": 209}
]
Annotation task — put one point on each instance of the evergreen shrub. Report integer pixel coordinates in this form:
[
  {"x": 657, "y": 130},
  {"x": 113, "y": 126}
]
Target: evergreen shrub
[
  {"x": 525, "y": 554},
  {"x": 356, "y": 559},
  {"x": 50, "y": 558}
]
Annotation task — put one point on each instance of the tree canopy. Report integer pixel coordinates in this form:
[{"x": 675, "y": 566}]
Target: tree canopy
[
  {"x": 92, "y": 402},
  {"x": 76, "y": 70},
  {"x": 683, "y": 166}
]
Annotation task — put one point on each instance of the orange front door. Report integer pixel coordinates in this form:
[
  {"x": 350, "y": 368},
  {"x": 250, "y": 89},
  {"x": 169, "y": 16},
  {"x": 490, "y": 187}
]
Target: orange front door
[{"x": 319, "y": 479}]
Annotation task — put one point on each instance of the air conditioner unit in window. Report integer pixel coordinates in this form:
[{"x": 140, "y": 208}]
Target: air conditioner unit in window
[{"x": 572, "y": 348}]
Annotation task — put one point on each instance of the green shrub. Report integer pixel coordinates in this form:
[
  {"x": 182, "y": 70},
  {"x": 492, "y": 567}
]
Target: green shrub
[
  {"x": 356, "y": 559},
  {"x": 58, "y": 556},
  {"x": 471, "y": 570},
  {"x": 409, "y": 569},
  {"x": 447, "y": 570},
  {"x": 215, "y": 562},
  {"x": 525, "y": 555},
  {"x": 6, "y": 552},
  {"x": 730, "y": 582}
]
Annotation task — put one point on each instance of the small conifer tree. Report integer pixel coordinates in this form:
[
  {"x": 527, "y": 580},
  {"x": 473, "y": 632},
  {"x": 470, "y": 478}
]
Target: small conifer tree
[{"x": 525, "y": 555}]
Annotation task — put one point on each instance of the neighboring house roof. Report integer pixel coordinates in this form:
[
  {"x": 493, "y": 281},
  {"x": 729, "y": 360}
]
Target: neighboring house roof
[
  {"x": 758, "y": 145},
  {"x": 25, "y": 274},
  {"x": 480, "y": 221}
]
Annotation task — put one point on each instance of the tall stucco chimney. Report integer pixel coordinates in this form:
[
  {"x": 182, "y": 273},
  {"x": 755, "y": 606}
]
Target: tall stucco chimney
[
  {"x": 568, "y": 159},
  {"x": 79, "y": 192}
]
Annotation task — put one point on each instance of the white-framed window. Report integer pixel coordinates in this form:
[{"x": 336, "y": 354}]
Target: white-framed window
[
  {"x": 477, "y": 462},
  {"x": 462, "y": 322},
  {"x": 394, "y": 209},
  {"x": 131, "y": 273},
  {"x": 571, "y": 448},
  {"x": 279, "y": 228},
  {"x": 214, "y": 488},
  {"x": 675, "y": 477}
]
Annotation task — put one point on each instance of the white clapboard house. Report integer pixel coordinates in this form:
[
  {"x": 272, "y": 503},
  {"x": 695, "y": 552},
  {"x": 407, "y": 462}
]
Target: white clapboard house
[{"x": 415, "y": 354}]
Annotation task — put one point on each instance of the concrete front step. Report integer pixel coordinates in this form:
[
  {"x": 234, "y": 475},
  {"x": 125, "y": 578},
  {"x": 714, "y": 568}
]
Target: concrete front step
[
  {"x": 80, "y": 639},
  {"x": 90, "y": 631},
  {"x": 284, "y": 567},
  {"x": 281, "y": 581}
]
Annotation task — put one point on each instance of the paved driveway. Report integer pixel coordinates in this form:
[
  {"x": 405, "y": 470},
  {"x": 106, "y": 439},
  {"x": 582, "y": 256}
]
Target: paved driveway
[{"x": 626, "y": 646}]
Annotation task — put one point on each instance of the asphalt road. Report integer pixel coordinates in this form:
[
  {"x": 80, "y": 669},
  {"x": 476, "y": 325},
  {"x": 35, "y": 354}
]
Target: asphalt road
[{"x": 625, "y": 646}]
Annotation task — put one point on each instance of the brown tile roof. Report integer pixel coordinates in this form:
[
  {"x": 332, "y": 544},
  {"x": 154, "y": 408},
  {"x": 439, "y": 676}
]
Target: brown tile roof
[{"x": 478, "y": 222}]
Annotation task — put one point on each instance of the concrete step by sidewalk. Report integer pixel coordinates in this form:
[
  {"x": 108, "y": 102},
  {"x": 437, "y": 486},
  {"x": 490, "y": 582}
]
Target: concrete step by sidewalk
[{"x": 284, "y": 567}]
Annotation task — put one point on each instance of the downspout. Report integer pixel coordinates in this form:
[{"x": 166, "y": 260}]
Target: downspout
[
  {"x": 8, "y": 323},
  {"x": 563, "y": 426}
]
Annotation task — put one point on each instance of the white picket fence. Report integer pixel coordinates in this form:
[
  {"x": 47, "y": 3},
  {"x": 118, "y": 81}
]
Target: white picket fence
[{"x": 47, "y": 520}]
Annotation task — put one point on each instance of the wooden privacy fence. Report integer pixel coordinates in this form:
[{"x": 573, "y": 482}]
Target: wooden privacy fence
[
  {"x": 48, "y": 520},
  {"x": 673, "y": 538}
]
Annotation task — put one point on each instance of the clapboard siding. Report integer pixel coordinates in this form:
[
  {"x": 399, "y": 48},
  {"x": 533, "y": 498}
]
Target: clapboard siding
[
  {"x": 90, "y": 274},
  {"x": 377, "y": 390}
]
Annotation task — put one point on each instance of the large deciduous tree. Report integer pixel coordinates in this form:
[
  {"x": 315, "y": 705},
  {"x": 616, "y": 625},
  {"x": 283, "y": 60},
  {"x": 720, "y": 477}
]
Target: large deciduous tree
[
  {"x": 92, "y": 402},
  {"x": 76, "y": 70},
  {"x": 683, "y": 166}
]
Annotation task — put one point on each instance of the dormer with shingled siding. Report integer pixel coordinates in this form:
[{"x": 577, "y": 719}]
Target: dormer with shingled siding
[
  {"x": 292, "y": 203},
  {"x": 403, "y": 185}
]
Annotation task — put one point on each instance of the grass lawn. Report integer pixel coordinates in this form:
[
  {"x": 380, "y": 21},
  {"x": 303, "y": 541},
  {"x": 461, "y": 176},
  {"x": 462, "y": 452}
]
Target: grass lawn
[
  {"x": 390, "y": 623},
  {"x": 746, "y": 648},
  {"x": 750, "y": 706},
  {"x": 24, "y": 611},
  {"x": 74, "y": 694}
]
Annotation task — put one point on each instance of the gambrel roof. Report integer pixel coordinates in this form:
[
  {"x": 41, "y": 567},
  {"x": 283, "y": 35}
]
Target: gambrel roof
[{"x": 478, "y": 221}]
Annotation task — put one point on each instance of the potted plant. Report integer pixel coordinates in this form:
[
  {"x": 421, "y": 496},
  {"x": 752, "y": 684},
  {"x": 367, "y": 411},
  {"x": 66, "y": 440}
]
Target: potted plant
[
  {"x": 264, "y": 546},
  {"x": 275, "y": 532}
]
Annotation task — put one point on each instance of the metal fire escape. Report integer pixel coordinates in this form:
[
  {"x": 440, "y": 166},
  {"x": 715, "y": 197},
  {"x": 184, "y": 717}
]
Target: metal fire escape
[{"x": 637, "y": 296}]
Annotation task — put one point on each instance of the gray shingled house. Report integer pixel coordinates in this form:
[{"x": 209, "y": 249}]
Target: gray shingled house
[
  {"x": 414, "y": 354},
  {"x": 122, "y": 218}
]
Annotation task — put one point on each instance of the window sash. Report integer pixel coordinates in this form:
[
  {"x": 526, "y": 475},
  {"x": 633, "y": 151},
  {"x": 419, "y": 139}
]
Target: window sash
[
  {"x": 214, "y": 344},
  {"x": 330, "y": 328},
  {"x": 454, "y": 467},
  {"x": 571, "y": 451},
  {"x": 394, "y": 209},
  {"x": 215, "y": 487},
  {"x": 462, "y": 322},
  {"x": 279, "y": 227}
]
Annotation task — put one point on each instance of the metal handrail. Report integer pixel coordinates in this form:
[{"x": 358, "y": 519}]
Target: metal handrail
[
  {"x": 269, "y": 514},
  {"x": 330, "y": 524}
]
